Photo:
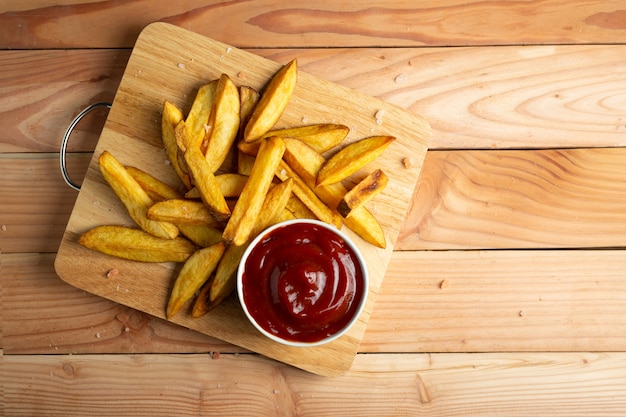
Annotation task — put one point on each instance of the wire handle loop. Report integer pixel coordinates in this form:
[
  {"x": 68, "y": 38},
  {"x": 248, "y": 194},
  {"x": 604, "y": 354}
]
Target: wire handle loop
[{"x": 66, "y": 138}]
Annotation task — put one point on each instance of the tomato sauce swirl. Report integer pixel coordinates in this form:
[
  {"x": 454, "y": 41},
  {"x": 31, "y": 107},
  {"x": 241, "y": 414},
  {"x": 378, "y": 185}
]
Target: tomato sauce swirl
[{"x": 302, "y": 282}]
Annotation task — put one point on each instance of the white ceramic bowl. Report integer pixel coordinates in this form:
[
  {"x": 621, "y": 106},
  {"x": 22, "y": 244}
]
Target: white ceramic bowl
[{"x": 301, "y": 305}]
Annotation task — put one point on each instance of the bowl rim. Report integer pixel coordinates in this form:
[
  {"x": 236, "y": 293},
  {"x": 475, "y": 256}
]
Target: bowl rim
[{"x": 349, "y": 242}]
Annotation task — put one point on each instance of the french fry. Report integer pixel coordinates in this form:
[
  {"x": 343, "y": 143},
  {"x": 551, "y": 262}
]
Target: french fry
[
  {"x": 248, "y": 98},
  {"x": 197, "y": 121},
  {"x": 171, "y": 116},
  {"x": 250, "y": 201},
  {"x": 244, "y": 163},
  {"x": 273, "y": 102},
  {"x": 224, "y": 282},
  {"x": 363, "y": 192},
  {"x": 136, "y": 245},
  {"x": 223, "y": 122},
  {"x": 230, "y": 185},
  {"x": 308, "y": 196},
  {"x": 307, "y": 163},
  {"x": 155, "y": 188},
  {"x": 134, "y": 198},
  {"x": 194, "y": 273},
  {"x": 299, "y": 209},
  {"x": 202, "y": 236},
  {"x": 207, "y": 186},
  {"x": 181, "y": 211},
  {"x": 352, "y": 158},
  {"x": 321, "y": 137}
]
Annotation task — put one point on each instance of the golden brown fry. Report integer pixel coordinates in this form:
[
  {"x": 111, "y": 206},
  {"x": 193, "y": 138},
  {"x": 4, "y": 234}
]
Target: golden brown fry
[
  {"x": 230, "y": 185},
  {"x": 352, "y": 158},
  {"x": 307, "y": 163},
  {"x": 363, "y": 192},
  {"x": 194, "y": 273},
  {"x": 136, "y": 245},
  {"x": 156, "y": 189},
  {"x": 202, "y": 236},
  {"x": 273, "y": 102},
  {"x": 321, "y": 137},
  {"x": 308, "y": 197},
  {"x": 225, "y": 276},
  {"x": 181, "y": 211},
  {"x": 248, "y": 98},
  {"x": 299, "y": 209},
  {"x": 223, "y": 123},
  {"x": 250, "y": 201},
  {"x": 170, "y": 118},
  {"x": 205, "y": 182},
  {"x": 249, "y": 148},
  {"x": 197, "y": 121},
  {"x": 134, "y": 198},
  {"x": 244, "y": 163}
]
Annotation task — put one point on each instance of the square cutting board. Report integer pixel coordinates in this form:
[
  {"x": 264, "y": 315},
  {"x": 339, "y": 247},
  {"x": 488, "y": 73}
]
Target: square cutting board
[{"x": 170, "y": 63}]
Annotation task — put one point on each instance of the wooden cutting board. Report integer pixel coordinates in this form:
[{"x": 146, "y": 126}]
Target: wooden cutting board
[{"x": 170, "y": 63}]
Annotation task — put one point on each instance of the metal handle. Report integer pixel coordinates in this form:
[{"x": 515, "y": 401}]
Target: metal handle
[{"x": 66, "y": 137}]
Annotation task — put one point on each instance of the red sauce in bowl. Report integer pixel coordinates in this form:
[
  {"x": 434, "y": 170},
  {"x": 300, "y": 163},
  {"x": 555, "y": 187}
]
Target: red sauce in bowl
[{"x": 302, "y": 282}]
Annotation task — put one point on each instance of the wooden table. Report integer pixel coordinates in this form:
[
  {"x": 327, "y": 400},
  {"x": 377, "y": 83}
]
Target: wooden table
[{"x": 506, "y": 293}]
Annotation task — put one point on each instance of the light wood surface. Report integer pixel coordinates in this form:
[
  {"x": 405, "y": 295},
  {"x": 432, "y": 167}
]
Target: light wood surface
[{"x": 458, "y": 327}]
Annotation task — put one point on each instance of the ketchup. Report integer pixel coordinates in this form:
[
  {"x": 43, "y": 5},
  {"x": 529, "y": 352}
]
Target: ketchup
[{"x": 302, "y": 282}]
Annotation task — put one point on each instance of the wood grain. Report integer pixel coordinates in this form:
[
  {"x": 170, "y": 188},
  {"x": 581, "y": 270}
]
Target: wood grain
[
  {"x": 573, "y": 198},
  {"x": 487, "y": 97},
  {"x": 44, "y": 90},
  {"x": 464, "y": 199},
  {"x": 165, "y": 65},
  {"x": 511, "y": 384},
  {"x": 558, "y": 84},
  {"x": 37, "y": 24},
  {"x": 489, "y": 301}
]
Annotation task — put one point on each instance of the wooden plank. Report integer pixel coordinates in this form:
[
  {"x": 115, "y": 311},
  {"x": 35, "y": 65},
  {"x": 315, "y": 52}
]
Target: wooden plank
[
  {"x": 464, "y": 199},
  {"x": 298, "y": 23},
  {"x": 511, "y": 384},
  {"x": 571, "y": 198},
  {"x": 43, "y": 314},
  {"x": 45, "y": 89},
  {"x": 36, "y": 202},
  {"x": 165, "y": 65},
  {"x": 488, "y": 97},
  {"x": 490, "y": 301}
]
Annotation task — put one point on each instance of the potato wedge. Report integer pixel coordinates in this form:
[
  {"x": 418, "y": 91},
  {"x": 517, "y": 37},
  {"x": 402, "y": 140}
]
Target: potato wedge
[
  {"x": 171, "y": 116},
  {"x": 248, "y": 99},
  {"x": 352, "y": 158},
  {"x": 230, "y": 185},
  {"x": 307, "y": 163},
  {"x": 197, "y": 122},
  {"x": 273, "y": 102},
  {"x": 223, "y": 123},
  {"x": 248, "y": 206},
  {"x": 202, "y": 236},
  {"x": 308, "y": 196},
  {"x": 136, "y": 245},
  {"x": 363, "y": 192},
  {"x": 194, "y": 273},
  {"x": 321, "y": 137},
  {"x": 244, "y": 163},
  {"x": 299, "y": 209},
  {"x": 207, "y": 186},
  {"x": 156, "y": 189},
  {"x": 181, "y": 211},
  {"x": 134, "y": 198},
  {"x": 225, "y": 276}
]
